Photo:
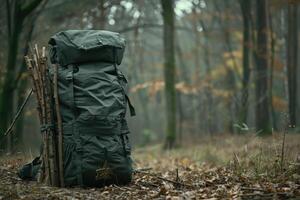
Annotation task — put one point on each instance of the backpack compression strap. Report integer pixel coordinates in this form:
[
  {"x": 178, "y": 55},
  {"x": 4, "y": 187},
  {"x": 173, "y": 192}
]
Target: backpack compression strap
[{"x": 131, "y": 108}]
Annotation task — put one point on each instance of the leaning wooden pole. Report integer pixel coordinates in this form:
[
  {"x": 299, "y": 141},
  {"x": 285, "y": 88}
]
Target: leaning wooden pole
[
  {"x": 46, "y": 93},
  {"x": 32, "y": 65},
  {"x": 59, "y": 126}
]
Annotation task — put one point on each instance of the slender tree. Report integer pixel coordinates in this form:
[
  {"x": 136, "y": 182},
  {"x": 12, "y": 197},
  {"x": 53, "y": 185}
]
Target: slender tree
[
  {"x": 263, "y": 121},
  {"x": 272, "y": 64},
  {"x": 169, "y": 71},
  {"x": 292, "y": 51},
  {"x": 246, "y": 13},
  {"x": 205, "y": 122}
]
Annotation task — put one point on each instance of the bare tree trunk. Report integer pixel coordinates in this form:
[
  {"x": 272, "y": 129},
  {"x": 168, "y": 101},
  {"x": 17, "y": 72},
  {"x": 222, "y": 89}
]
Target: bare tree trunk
[
  {"x": 6, "y": 103},
  {"x": 209, "y": 100},
  {"x": 292, "y": 51},
  {"x": 17, "y": 11},
  {"x": 263, "y": 121},
  {"x": 169, "y": 71},
  {"x": 231, "y": 77},
  {"x": 246, "y": 13},
  {"x": 208, "y": 94},
  {"x": 197, "y": 42},
  {"x": 298, "y": 89},
  {"x": 181, "y": 114},
  {"x": 180, "y": 117},
  {"x": 184, "y": 75},
  {"x": 198, "y": 104}
]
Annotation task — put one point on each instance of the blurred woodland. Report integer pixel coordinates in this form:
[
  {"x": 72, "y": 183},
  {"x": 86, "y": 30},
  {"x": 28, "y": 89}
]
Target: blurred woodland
[
  {"x": 212, "y": 73},
  {"x": 195, "y": 67}
]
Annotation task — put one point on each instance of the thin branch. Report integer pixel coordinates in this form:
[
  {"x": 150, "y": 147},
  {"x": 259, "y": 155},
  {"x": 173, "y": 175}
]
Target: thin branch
[
  {"x": 59, "y": 127},
  {"x": 18, "y": 113},
  {"x": 164, "y": 179}
]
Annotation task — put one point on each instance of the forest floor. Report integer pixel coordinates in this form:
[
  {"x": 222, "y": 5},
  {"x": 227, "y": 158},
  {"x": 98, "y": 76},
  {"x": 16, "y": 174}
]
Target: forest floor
[{"x": 221, "y": 167}]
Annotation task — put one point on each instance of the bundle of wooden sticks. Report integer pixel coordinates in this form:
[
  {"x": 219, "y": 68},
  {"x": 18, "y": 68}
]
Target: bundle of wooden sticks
[{"x": 46, "y": 92}]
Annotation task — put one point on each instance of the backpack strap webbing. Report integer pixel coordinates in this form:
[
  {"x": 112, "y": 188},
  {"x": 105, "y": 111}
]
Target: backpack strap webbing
[{"x": 131, "y": 108}]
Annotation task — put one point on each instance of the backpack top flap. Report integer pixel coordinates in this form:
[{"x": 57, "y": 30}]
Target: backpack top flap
[{"x": 80, "y": 46}]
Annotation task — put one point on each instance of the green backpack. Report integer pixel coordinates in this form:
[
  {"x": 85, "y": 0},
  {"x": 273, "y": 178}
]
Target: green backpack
[{"x": 93, "y": 102}]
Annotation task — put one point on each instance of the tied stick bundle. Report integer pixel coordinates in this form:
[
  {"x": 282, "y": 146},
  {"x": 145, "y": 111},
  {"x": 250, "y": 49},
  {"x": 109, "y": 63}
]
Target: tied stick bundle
[{"x": 45, "y": 90}]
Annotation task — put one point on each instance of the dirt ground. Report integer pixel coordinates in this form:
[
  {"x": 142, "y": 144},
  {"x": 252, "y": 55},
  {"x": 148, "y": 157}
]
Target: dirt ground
[{"x": 226, "y": 168}]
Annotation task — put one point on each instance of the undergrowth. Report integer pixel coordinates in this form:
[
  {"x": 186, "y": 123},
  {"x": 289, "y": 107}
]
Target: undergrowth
[{"x": 248, "y": 154}]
